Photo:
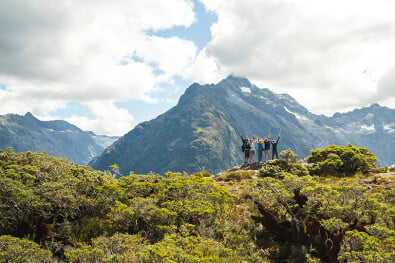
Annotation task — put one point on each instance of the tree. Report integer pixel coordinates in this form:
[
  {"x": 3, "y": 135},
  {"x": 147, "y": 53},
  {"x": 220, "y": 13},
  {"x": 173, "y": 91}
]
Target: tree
[
  {"x": 13, "y": 249},
  {"x": 289, "y": 156},
  {"x": 341, "y": 160},
  {"x": 289, "y": 164}
]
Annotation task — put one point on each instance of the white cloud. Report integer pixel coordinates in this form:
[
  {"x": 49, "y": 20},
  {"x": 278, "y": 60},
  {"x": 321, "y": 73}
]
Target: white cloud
[
  {"x": 15, "y": 102},
  {"x": 58, "y": 51},
  {"x": 387, "y": 84},
  {"x": 204, "y": 68},
  {"x": 109, "y": 119},
  {"x": 170, "y": 55},
  {"x": 330, "y": 55}
]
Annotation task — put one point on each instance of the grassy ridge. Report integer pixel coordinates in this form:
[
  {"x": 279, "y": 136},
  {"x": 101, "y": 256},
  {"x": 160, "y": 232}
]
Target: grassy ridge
[{"x": 54, "y": 210}]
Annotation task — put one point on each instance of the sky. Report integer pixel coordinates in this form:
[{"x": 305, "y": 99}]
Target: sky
[{"x": 106, "y": 66}]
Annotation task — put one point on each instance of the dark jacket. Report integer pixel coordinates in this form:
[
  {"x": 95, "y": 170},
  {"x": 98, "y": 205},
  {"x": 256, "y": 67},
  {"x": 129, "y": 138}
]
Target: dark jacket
[
  {"x": 246, "y": 144},
  {"x": 267, "y": 145},
  {"x": 275, "y": 144}
]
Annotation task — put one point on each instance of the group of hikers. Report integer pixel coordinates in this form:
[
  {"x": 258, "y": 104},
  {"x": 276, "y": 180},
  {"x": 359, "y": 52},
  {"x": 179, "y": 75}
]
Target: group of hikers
[{"x": 259, "y": 146}]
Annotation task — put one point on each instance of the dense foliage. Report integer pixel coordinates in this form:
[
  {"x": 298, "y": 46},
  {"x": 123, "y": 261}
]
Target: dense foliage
[
  {"x": 54, "y": 210},
  {"x": 341, "y": 160}
]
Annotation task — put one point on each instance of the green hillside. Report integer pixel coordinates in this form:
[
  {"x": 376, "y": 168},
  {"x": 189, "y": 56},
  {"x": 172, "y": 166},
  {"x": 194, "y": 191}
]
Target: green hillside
[{"x": 53, "y": 210}]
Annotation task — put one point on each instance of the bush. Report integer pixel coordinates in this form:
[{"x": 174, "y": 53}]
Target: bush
[
  {"x": 235, "y": 176},
  {"x": 13, "y": 249},
  {"x": 173, "y": 248},
  {"x": 82, "y": 215},
  {"x": 271, "y": 171},
  {"x": 341, "y": 160},
  {"x": 202, "y": 174},
  {"x": 275, "y": 168},
  {"x": 381, "y": 170},
  {"x": 289, "y": 156}
]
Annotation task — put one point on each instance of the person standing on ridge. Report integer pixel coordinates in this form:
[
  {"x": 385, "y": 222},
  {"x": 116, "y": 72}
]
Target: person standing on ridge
[
  {"x": 274, "y": 148},
  {"x": 252, "y": 151},
  {"x": 266, "y": 141},
  {"x": 243, "y": 140},
  {"x": 245, "y": 148},
  {"x": 259, "y": 149}
]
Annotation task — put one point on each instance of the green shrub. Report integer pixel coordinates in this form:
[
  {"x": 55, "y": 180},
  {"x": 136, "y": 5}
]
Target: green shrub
[
  {"x": 381, "y": 170},
  {"x": 13, "y": 249},
  {"x": 341, "y": 160},
  {"x": 363, "y": 247},
  {"x": 180, "y": 247},
  {"x": 275, "y": 168},
  {"x": 271, "y": 171},
  {"x": 82, "y": 215},
  {"x": 289, "y": 156},
  {"x": 202, "y": 174}
]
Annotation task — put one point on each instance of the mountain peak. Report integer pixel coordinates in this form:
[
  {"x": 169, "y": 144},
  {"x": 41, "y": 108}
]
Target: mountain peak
[
  {"x": 375, "y": 105},
  {"x": 29, "y": 115},
  {"x": 237, "y": 80},
  {"x": 235, "y": 77}
]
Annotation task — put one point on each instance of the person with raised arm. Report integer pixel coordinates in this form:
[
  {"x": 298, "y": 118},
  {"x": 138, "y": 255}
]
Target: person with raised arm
[
  {"x": 245, "y": 148},
  {"x": 266, "y": 142},
  {"x": 274, "y": 147},
  {"x": 260, "y": 149}
]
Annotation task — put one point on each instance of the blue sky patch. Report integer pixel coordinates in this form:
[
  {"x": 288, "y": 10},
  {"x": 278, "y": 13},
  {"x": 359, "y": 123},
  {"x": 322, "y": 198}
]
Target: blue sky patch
[
  {"x": 3, "y": 86},
  {"x": 198, "y": 32}
]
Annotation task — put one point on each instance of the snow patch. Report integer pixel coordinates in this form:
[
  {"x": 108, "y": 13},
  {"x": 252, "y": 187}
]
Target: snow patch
[
  {"x": 390, "y": 128},
  {"x": 245, "y": 89},
  {"x": 366, "y": 128},
  {"x": 287, "y": 110},
  {"x": 369, "y": 116},
  {"x": 298, "y": 116},
  {"x": 265, "y": 99}
]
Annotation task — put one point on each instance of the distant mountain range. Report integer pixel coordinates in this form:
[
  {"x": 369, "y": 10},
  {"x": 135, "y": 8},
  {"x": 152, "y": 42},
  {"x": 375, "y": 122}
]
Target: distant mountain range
[
  {"x": 57, "y": 138},
  {"x": 202, "y": 131}
]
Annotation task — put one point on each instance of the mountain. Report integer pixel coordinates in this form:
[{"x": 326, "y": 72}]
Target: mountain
[
  {"x": 202, "y": 131},
  {"x": 57, "y": 138}
]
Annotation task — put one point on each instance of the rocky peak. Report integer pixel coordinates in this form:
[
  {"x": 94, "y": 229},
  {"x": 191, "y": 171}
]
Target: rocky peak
[{"x": 29, "y": 115}]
